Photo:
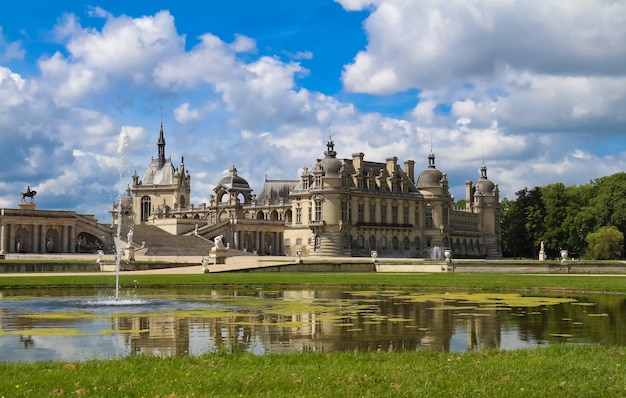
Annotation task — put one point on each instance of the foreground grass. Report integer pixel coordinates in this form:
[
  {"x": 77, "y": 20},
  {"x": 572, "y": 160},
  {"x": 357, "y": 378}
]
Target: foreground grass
[
  {"x": 557, "y": 371},
  {"x": 442, "y": 281}
]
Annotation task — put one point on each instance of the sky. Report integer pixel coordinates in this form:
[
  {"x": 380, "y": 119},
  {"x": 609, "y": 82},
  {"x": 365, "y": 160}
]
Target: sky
[{"x": 533, "y": 89}]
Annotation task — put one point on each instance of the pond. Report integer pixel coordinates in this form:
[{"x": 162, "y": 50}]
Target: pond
[{"x": 80, "y": 324}]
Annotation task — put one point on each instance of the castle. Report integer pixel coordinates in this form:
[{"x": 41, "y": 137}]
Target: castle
[{"x": 337, "y": 207}]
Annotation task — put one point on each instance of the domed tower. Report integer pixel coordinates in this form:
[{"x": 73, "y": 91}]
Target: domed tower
[
  {"x": 433, "y": 185},
  {"x": 431, "y": 181},
  {"x": 231, "y": 193},
  {"x": 324, "y": 199},
  {"x": 486, "y": 203}
]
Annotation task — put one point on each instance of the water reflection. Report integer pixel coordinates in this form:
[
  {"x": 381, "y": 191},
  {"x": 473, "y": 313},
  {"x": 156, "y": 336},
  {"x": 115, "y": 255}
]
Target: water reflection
[{"x": 173, "y": 323}]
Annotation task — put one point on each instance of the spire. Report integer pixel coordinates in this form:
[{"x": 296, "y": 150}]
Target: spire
[{"x": 161, "y": 145}]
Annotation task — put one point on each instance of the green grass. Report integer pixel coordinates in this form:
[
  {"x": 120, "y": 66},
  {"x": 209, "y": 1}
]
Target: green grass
[
  {"x": 441, "y": 281},
  {"x": 557, "y": 371}
]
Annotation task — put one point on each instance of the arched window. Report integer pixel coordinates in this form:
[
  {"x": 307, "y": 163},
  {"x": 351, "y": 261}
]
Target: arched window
[
  {"x": 288, "y": 216},
  {"x": 372, "y": 242},
  {"x": 346, "y": 240},
  {"x": 145, "y": 208},
  {"x": 182, "y": 201},
  {"x": 395, "y": 243},
  {"x": 406, "y": 243}
]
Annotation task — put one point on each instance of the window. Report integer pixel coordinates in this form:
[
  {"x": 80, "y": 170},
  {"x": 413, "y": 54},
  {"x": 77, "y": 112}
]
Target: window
[
  {"x": 145, "y": 208},
  {"x": 346, "y": 240},
  {"x": 318, "y": 210},
  {"x": 344, "y": 180},
  {"x": 372, "y": 242},
  {"x": 372, "y": 212},
  {"x": 383, "y": 213},
  {"x": 318, "y": 181},
  {"x": 305, "y": 183},
  {"x": 394, "y": 214},
  {"x": 360, "y": 242},
  {"x": 361, "y": 211},
  {"x": 298, "y": 214},
  {"x": 429, "y": 217},
  {"x": 395, "y": 243},
  {"x": 406, "y": 243},
  {"x": 345, "y": 210}
]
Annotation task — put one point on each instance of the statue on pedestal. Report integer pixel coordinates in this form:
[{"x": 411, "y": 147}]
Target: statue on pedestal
[{"x": 29, "y": 194}]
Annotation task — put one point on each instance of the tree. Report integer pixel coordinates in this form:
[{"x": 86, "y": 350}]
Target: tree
[
  {"x": 605, "y": 244},
  {"x": 521, "y": 223}
]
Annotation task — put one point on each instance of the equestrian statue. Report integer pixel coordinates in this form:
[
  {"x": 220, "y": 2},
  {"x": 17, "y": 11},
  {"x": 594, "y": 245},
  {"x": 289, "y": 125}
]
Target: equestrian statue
[{"x": 29, "y": 194}]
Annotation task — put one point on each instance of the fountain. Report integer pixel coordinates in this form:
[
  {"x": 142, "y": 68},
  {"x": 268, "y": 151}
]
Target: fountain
[{"x": 122, "y": 143}]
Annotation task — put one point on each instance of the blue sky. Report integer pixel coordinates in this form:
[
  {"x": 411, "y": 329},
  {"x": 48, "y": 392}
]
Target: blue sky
[{"x": 535, "y": 89}]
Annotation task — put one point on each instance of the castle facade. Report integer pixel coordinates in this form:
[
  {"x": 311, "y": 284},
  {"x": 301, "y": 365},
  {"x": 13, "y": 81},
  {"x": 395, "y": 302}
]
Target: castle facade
[{"x": 337, "y": 207}]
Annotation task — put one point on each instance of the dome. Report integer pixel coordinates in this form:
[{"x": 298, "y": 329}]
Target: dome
[
  {"x": 330, "y": 165},
  {"x": 431, "y": 177},
  {"x": 484, "y": 185},
  {"x": 233, "y": 181}
]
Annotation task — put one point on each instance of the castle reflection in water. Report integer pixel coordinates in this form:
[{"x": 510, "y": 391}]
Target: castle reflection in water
[
  {"x": 195, "y": 322},
  {"x": 380, "y": 323}
]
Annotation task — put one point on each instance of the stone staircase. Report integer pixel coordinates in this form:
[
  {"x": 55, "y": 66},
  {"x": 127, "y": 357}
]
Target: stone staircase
[{"x": 161, "y": 243}]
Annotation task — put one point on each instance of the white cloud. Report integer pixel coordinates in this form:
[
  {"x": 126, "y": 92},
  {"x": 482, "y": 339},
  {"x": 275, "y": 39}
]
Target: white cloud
[
  {"x": 185, "y": 114},
  {"x": 243, "y": 44},
  {"x": 431, "y": 43},
  {"x": 10, "y": 50}
]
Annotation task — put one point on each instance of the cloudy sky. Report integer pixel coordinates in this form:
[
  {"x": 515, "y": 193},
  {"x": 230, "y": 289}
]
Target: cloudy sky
[{"x": 535, "y": 89}]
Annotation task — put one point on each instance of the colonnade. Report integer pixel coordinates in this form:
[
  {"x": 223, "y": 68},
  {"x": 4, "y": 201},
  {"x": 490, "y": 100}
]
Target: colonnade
[
  {"x": 37, "y": 238},
  {"x": 263, "y": 242}
]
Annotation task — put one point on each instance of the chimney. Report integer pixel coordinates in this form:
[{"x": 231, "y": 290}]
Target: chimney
[
  {"x": 357, "y": 161},
  {"x": 409, "y": 169},
  {"x": 391, "y": 165}
]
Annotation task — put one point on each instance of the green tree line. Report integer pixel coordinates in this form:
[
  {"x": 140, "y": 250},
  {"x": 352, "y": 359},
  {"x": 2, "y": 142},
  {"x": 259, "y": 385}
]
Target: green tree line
[{"x": 587, "y": 220}]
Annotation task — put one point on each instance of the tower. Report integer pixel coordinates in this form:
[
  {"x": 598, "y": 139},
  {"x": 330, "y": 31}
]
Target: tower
[{"x": 162, "y": 188}]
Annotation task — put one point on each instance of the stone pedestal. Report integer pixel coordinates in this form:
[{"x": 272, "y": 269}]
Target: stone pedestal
[
  {"x": 218, "y": 255},
  {"x": 27, "y": 206},
  {"x": 542, "y": 256},
  {"x": 129, "y": 253}
]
